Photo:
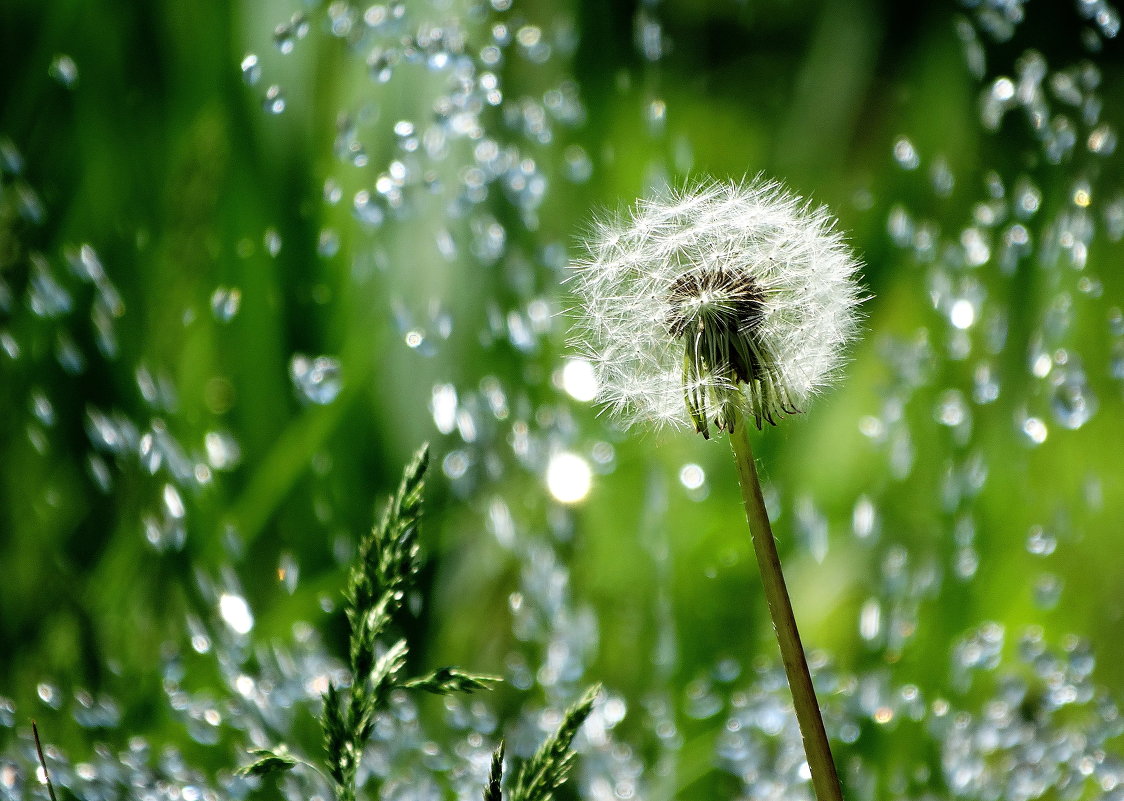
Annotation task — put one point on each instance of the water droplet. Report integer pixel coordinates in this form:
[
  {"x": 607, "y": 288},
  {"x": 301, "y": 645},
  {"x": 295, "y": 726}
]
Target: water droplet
[
  {"x": 951, "y": 409},
  {"x": 274, "y": 101},
  {"x": 69, "y": 357},
  {"x": 367, "y": 210},
  {"x": 985, "y": 384},
  {"x": 1047, "y": 591},
  {"x": 46, "y": 297},
  {"x": 328, "y": 244},
  {"x": 905, "y": 154},
  {"x": 579, "y": 167},
  {"x": 225, "y": 302},
  {"x": 288, "y": 572},
  {"x": 455, "y": 464},
  {"x": 30, "y": 206},
  {"x": 976, "y": 248},
  {"x": 1028, "y": 198},
  {"x": 64, "y": 70},
  {"x": 966, "y": 562},
  {"x": 568, "y": 477},
  {"x": 1041, "y": 542},
  {"x": 655, "y": 114},
  {"x": 1073, "y": 402},
  {"x": 42, "y": 407},
  {"x": 1035, "y": 430},
  {"x": 223, "y": 452},
  {"x": 49, "y": 694},
  {"x": 317, "y": 380},
  {"x": 900, "y": 226},
  {"x": 962, "y": 314},
  {"x": 578, "y": 380},
  {"x": 251, "y": 69},
  {"x": 443, "y": 407},
  {"x": 341, "y": 19},
  {"x": 272, "y": 241},
  {"x": 99, "y": 472},
  {"x": 982, "y": 649},
  {"x": 235, "y": 612},
  {"x": 870, "y": 620},
  {"x": 1102, "y": 140},
  {"x": 414, "y": 338},
  {"x": 11, "y": 347},
  {"x": 11, "y": 162},
  {"x": 284, "y": 39},
  {"x": 692, "y": 476}
]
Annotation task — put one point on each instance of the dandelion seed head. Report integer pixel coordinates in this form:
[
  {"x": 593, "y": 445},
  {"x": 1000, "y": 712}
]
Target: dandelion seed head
[{"x": 717, "y": 296}]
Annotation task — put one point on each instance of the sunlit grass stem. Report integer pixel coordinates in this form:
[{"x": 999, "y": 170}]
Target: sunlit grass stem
[
  {"x": 43, "y": 761},
  {"x": 825, "y": 780}
]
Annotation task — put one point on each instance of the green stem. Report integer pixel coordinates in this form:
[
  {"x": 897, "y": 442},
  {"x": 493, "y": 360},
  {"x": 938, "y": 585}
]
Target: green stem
[{"x": 824, "y": 778}]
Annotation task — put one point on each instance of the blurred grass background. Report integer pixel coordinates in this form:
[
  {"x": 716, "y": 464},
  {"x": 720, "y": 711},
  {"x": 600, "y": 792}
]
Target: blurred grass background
[{"x": 160, "y": 157}]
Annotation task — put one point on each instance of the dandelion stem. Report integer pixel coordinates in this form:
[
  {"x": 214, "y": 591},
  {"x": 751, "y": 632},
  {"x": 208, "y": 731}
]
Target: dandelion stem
[{"x": 825, "y": 780}]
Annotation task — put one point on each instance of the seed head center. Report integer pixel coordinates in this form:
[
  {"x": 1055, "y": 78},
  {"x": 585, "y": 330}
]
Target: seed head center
[{"x": 717, "y": 313}]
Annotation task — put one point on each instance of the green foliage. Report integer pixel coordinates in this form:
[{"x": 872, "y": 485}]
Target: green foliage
[
  {"x": 548, "y": 768},
  {"x": 269, "y": 760},
  {"x": 383, "y": 571},
  {"x": 446, "y": 680},
  {"x": 493, "y": 791}
]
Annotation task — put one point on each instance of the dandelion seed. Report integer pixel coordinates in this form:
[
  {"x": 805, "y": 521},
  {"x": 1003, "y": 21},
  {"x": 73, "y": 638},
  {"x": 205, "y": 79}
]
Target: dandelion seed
[{"x": 721, "y": 297}]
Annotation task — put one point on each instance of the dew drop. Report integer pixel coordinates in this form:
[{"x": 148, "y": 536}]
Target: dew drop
[
  {"x": 443, "y": 407},
  {"x": 284, "y": 39},
  {"x": 235, "y": 612},
  {"x": 1041, "y": 542},
  {"x": 455, "y": 464},
  {"x": 99, "y": 472},
  {"x": 274, "y": 101},
  {"x": 905, "y": 154},
  {"x": 1073, "y": 402},
  {"x": 1035, "y": 430},
  {"x": 318, "y": 380},
  {"x": 1047, "y": 591},
  {"x": 288, "y": 572},
  {"x": 69, "y": 357},
  {"x": 11, "y": 162},
  {"x": 568, "y": 477},
  {"x": 870, "y": 619},
  {"x": 49, "y": 694},
  {"x": 1102, "y": 140},
  {"x": 579, "y": 167},
  {"x": 11, "y": 347},
  {"x": 1028, "y": 198},
  {"x": 692, "y": 476},
  {"x": 42, "y": 407},
  {"x": 272, "y": 241},
  {"x": 64, "y": 70},
  {"x": 579, "y": 380},
  {"x": 952, "y": 410},
  {"x": 223, "y": 452},
  {"x": 225, "y": 302},
  {"x": 367, "y": 210},
  {"x": 173, "y": 502},
  {"x": 962, "y": 314},
  {"x": 251, "y": 69},
  {"x": 328, "y": 245}
]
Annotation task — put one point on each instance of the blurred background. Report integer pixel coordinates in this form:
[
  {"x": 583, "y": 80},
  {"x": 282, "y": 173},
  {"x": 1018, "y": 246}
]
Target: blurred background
[{"x": 253, "y": 254}]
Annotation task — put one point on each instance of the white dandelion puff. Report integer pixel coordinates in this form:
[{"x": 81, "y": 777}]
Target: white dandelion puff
[{"x": 717, "y": 299}]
